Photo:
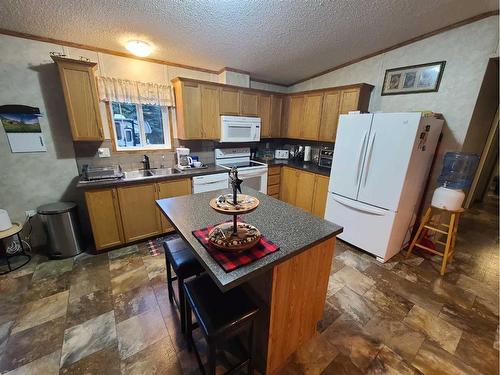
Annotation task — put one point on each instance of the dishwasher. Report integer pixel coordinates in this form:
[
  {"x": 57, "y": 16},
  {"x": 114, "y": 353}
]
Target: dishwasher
[{"x": 210, "y": 182}]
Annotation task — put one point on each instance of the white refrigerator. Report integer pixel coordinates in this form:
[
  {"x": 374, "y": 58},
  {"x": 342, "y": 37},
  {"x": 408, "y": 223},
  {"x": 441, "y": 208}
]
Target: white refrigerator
[{"x": 380, "y": 165}]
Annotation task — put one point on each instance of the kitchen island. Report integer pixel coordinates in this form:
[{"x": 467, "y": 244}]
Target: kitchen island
[{"x": 289, "y": 285}]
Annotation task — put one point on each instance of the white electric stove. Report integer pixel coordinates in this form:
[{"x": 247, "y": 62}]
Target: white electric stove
[{"x": 253, "y": 173}]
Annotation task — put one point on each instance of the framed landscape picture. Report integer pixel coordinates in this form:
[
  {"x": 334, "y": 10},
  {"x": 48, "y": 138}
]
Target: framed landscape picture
[{"x": 413, "y": 79}]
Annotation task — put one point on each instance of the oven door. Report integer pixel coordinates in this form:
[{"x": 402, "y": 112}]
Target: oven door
[{"x": 254, "y": 178}]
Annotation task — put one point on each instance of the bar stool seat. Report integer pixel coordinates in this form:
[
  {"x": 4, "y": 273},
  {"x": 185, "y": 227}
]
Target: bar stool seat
[
  {"x": 179, "y": 255},
  {"x": 220, "y": 316}
]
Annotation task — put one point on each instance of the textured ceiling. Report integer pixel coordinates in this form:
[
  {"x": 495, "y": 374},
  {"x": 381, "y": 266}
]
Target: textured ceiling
[{"x": 281, "y": 41}]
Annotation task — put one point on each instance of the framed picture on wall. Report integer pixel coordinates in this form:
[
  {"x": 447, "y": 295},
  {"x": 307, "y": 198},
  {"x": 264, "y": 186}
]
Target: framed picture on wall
[{"x": 413, "y": 79}]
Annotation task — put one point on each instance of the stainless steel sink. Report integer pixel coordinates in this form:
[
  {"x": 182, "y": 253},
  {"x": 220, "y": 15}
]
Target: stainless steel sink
[{"x": 145, "y": 173}]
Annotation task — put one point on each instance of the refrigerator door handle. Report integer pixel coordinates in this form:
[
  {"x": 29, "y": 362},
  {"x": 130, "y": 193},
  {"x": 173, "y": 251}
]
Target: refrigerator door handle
[
  {"x": 364, "y": 208},
  {"x": 360, "y": 159},
  {"x": 369, "y": 159}
]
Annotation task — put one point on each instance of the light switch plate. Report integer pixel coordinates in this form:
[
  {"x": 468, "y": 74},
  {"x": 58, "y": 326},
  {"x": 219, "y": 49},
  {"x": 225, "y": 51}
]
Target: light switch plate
[{"x": 103, "y": 152}]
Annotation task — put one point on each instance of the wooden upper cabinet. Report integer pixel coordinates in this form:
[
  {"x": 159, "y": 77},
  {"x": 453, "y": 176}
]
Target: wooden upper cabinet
[
  {"x": 349, "y": 100},
  {"x": 105, "y": 218},
  {"x": 249, "y": 103},
  {"x": 188, "y": 109},
  {"x": 295, "y": 116},
  {"x": 229, "y": 101},
  {"x": 312, "y": 116},
  {"x": 276, "y": 114},
  {"x": 168, "y": 189},
  {"x": 81, "y": 97},
  {"x": 265, "y": 115},
  {"x": 329, "y": 116},
  {"x": 140, "y": 216},
  {"x": 210, "y": 112},
  {"x": 320, "y": 195}
]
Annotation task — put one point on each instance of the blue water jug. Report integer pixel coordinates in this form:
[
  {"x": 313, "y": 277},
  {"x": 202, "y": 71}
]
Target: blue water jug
[{"x": 458, "y": 170}]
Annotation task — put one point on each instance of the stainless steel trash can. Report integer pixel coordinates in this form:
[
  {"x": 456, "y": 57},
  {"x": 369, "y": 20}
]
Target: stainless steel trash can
[{"x": 61, "y": 224}]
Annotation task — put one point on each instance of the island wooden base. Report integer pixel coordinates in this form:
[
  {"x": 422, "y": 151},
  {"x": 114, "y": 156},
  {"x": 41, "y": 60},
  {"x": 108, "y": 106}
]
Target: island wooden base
[{"x": 291, "y": 298}]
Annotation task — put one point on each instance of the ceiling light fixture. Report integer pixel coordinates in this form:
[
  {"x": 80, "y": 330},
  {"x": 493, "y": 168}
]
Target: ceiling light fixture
[{"x": 139, "y": 48}]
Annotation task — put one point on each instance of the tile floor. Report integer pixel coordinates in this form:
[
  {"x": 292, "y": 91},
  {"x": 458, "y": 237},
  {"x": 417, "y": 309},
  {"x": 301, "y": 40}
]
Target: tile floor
[{"x": 109, "y": 314}]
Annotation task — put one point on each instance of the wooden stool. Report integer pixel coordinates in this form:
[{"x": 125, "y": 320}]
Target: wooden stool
[
  {"x": 451, "y": 234},
  {"x": 221, "y": 317},
  {"x": 185, "y": 265}
]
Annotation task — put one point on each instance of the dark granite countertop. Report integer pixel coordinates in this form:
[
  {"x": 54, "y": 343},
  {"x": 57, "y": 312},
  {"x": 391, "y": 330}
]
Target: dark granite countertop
[
  {"x": 212, "y": 169},
  {"x": 292, "y": 229},
  {"x": 302, "y": 165}
]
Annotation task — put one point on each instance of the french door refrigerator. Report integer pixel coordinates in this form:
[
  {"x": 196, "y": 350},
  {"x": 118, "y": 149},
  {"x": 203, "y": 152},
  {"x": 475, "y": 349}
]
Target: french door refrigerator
[{"x": 380, "y": 165}]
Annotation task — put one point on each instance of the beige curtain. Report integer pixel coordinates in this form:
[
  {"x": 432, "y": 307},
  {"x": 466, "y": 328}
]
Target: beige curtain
[{"x": 123, "y": 90}]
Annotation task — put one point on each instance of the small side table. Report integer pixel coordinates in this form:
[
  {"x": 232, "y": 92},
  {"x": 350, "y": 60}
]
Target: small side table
[{"x": 13, "y": 231}]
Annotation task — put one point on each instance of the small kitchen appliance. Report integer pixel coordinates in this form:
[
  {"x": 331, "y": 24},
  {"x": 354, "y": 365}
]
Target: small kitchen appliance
[
  {"x": 325, "y": 157},
  {"x": 107, "y": 172},
  {"x": 281, "y": 154},
  {"x": 184, "y": 161},
  {"x": 5, "y": 222},
  {"x": 239, "y": 129}
]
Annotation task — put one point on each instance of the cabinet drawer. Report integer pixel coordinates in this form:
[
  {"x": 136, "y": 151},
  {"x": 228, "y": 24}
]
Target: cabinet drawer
[
  {"x": 273, "y": 190},
  {"x": 271, "y": 171},
  {"x": 273, "y": 180}
]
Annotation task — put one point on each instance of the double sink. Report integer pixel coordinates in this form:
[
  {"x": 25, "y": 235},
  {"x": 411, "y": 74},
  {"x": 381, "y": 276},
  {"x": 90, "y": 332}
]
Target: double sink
[{"x": 145, "y": 173}]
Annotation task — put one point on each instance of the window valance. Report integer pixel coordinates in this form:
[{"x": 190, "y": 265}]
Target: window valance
[{"x": 123, "y": 90}]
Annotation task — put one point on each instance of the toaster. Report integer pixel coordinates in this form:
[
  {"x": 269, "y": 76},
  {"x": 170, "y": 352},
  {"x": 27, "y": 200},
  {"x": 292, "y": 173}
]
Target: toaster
[{"x": 281, "y": 154}]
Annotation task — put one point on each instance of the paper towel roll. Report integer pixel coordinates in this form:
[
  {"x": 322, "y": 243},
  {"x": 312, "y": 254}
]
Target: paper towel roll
[
  {"x": 307, "y": 153},
  {"x": 4, "y": 220}
]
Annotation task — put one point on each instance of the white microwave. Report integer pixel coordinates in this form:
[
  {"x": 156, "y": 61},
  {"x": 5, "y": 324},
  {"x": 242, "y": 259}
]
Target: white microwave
[{"x": 239, "y": 129}]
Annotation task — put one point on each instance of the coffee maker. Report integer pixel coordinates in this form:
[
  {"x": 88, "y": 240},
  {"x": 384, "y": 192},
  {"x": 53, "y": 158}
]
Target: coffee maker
[{"x": 184, "y": 161}]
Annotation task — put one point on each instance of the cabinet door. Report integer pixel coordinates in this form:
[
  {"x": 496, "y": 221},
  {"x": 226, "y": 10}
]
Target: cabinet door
[
  {"x": 288, "y": 185},
  {"x": 168, "y": 189},
  {"x": 265, "y": 115},
  {"x": 305, "y": 185},
  {"x": 295, "y": 115},
  {"x": 320, "y": 195},
  {"x": 275, "y": 118},
  {"x": 313, "y": 104},
  {"x": 140, "y": 217},
  {"x": 229, "y": 101},
  {"x": 210, "y": 112},
  {"x": 188, "y": 103},
  {"x": 249, "y": 103},
  {"x": 104, "y": 213},
  {"x": 349, "y": 100},
  {"x": 330, "y": 116},
  {"x": 82, "y": 101}
]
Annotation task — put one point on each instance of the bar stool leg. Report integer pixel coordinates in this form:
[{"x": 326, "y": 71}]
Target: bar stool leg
[
  {"x": 169, "y": 281},
  {"x": 250, "y": 349},
  {"x": 449, "y": 239},
  {"x": 189, "y": 327},
  {"x": 182, "y": 303},
  {"x": 424, "y": 221},
  {"x": 212, "y": 357},
  {"x": 455, "y": 230}
]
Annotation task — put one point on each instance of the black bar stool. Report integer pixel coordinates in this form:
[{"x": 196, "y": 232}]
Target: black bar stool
[
  {"x": 221, "y": 316},
  {"x": 179, "y": 255}
]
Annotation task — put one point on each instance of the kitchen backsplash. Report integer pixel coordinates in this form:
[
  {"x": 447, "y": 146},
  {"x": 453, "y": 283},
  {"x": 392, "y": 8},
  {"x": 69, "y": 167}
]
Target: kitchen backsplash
[{"x": 86, "y": 152}]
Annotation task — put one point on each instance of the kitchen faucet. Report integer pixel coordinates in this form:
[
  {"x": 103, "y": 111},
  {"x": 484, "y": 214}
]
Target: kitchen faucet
[{"x": 145, "y": 162}]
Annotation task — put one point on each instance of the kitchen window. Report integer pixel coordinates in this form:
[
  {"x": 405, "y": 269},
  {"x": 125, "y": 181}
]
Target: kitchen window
[{"x": 140, "y": 126}]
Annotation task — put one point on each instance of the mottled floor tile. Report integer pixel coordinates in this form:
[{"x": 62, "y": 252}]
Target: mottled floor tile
[
  {"x": 129, "y": 280},
  {"x": 119, "y": 266},
  {"x": 450, "y": 293},
  {"x": 342, "y": 365},
  {"x": 330, "y": 313},
  {"x": 88, "y": 279},
  {"x": 123, "y": 252},
  {"x": 41, "y": 311},
  {"x": 396, "y": 335},
  {"x": 87, "y": 338},
  {"x": 47, "y": 365},
  {"x": 356, "y": 306},
  {"x": 105, "y": 361},
  {"x": 52, "y": 268},
  {"x": 134, "y": 302},
  {"x": 413, "y": 261},
  {"x": 389, "y": 302},
  {"x": 4, "y": 335},
  {"x": 389, "y": 363},
  {"x": 437, "y": 329},
  {"x": 31, "y": 344},
  {"x": 431, "y": 359},
  {"x": 89, "y": 306},
  {"x": 354, "y": 279},
  {"x": 9, "y": 307},
  {"x": 479, "y": 288},
  {"x": 159, "y": 358},
  {"x": 14, "y": 286},
  {"x": 351, "y": 259},
  {"x": 334, "y": 285},
  {"x": 139, "y": 332},
  {"x": 47, "y": 287},
  {"x": 352, "y": 341},
  {"x": 478, "y": 353},
  {"x": 155, "y": 266}
]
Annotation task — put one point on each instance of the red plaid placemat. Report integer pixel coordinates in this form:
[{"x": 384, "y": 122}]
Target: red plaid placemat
[{"x": 231, "y": 261}]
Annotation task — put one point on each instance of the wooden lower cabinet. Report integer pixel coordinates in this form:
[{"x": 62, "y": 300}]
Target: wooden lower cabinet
[
  {"x": 167, "y": 189},
  {"x": 273, "y": 181},
  {"x": 105, "y": 217},
  {"x": 305, "y": 190}
]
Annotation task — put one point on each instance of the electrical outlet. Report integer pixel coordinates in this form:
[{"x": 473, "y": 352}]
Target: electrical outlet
[
  {"x": 103, "y": 152},
  {"x": 30, "y": 213}
]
